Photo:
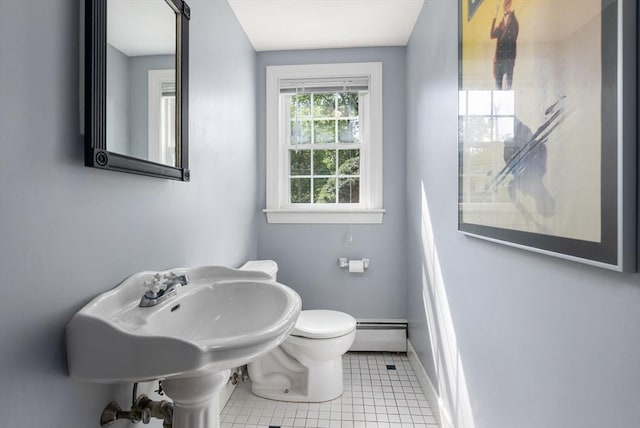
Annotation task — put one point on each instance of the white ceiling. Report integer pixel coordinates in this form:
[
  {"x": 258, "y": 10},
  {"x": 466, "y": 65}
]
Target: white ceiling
[
  {"x": 319, "y": 24},
  {"x": 141, "y": 27}
]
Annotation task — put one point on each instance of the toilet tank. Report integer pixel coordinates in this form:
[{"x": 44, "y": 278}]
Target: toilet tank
[{"x": 269, "y": 267}]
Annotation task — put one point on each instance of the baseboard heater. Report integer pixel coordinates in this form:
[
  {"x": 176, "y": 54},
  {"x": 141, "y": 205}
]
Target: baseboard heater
[{"x": 381, "y": 335}]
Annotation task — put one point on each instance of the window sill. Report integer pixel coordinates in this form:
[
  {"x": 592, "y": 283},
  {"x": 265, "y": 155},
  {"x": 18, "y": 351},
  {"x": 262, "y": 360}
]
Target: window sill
[{"x": 325, "y": 217}]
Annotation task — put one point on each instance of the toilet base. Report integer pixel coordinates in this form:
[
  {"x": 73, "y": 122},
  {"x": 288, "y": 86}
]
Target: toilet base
[{"x": 324, "y": 382}]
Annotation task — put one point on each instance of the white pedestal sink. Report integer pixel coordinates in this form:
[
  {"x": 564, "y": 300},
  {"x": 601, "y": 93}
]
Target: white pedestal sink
[{"x": 223, "y": 318}]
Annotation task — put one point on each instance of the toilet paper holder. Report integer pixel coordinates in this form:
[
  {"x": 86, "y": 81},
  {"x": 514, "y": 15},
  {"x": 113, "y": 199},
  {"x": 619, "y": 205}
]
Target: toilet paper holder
[{"x": 343, "y": 262}]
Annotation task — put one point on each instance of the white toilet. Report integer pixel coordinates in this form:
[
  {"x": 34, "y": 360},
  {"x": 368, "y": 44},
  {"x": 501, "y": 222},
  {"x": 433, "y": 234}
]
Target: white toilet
[{"x": 307, "y": 366}]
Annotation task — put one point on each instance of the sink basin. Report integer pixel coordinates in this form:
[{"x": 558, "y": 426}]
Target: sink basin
[{"x": 223, "y": 318}]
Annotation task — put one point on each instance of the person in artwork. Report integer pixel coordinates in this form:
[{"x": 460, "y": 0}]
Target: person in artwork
[{"x": 506, "y": 35}]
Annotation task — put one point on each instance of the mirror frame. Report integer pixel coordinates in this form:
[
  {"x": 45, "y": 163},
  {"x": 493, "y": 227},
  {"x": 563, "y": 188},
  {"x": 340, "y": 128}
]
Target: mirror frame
[{"x": 96, "y": 154}]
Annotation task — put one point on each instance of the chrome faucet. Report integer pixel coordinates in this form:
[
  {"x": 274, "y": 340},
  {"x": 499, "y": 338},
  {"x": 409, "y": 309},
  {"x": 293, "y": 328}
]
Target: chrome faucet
[{"x": 157, "y": 291}]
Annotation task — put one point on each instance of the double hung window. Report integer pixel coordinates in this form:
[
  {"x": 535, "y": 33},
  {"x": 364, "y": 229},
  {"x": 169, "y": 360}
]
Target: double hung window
[
  {"x": 324, "y": 143},
  {"x": 162, "y": 114}
]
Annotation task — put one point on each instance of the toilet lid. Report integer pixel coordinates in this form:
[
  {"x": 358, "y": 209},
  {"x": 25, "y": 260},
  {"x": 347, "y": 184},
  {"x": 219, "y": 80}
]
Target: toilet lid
[{"x": 323, "y": 324}]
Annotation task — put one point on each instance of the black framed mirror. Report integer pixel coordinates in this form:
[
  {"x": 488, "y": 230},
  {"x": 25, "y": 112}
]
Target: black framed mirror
[{"x": 136, "y": 86}]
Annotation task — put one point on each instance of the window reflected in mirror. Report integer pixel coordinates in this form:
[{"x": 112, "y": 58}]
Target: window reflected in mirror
[{"x": 141, "y": 80}]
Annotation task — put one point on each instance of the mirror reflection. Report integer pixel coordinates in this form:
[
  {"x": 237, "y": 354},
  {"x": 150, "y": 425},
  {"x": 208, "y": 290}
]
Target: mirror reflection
[{"x": 141, "y": 80}]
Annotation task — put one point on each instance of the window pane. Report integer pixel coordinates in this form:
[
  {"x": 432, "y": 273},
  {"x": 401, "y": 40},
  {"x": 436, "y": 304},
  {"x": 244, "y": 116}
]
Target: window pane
[
  {"x": 349, "y": 131},
  {"x": 301, "y": 105},
  {"x": 503, "y": 102},
  {"x": 348, "y": 104},
  {"x": 300, "y": 190},
  {"x": 300, "y": 162},
  {"x": 479, "y": 103},
  {"x": 300, "y": 132},
  {"x": 349, "y": 162},
  {"x": 324, "y": 190},
  {"x": 479, "y": 129},
  {"x": 168, "y": 129},
  {"x": 324, "y": 131},
  {"x": 505, "y": 128},
  {"x": 324, "y": 162},
  {"x": 323, "y": 105},
  {"x": 349, "y": 190}
]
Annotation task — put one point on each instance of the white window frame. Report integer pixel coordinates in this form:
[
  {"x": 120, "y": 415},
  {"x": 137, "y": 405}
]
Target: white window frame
[
  {"x": 370, "y": 208},
  {"x": 157, "y": 151}
]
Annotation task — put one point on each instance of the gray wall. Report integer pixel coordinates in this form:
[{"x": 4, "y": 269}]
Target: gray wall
[
  {"x": 68, "y": 233},
  {"x": 517, "y": 339},
  {"x": 308, "y": 254},
  {"x": 139, "y": 67},
  {"x": 128, "y": 100},
  {"x": 118, "y": 106}
]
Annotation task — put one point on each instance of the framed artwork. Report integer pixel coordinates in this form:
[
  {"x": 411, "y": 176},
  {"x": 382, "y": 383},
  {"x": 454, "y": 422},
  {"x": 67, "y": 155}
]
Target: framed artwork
[
  {"x": 547, "y": 127},
  {"x": 472, "y": 5}
]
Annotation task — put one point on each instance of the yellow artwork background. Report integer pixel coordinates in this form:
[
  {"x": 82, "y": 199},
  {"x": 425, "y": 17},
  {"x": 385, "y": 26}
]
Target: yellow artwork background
[{"x": 558, "y": 55}]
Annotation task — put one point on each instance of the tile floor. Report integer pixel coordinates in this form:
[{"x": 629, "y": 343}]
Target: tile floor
[{"x": 380, "y": 391}]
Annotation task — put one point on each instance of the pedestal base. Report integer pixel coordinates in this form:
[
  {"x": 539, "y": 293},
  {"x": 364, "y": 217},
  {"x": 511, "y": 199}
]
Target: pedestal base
[{"x": 195, "y": 399}]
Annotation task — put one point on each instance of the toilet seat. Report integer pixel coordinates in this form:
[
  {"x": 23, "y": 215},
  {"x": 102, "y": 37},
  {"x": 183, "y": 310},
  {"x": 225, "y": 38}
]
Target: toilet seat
[{"x": 323, "y": 324}]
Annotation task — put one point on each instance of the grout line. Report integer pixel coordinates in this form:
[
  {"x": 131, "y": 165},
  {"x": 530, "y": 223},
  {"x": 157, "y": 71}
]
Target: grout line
[{"x": 381, "y": 390}]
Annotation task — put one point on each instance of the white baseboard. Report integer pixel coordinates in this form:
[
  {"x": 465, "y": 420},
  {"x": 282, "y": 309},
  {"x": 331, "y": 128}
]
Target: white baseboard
[{"x": 430, "y": 391}]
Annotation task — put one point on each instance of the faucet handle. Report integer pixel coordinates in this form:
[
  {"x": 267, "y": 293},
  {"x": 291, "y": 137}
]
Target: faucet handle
[
  {"x": 170, "y": 276},
  {"x": 152, "y": 288}
]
